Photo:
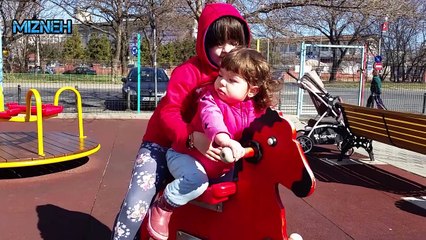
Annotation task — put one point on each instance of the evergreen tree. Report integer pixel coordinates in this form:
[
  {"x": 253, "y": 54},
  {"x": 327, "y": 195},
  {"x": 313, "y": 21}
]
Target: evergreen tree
[
  {"x": 185, "y": 49},
  {"x": 172, "y": 53},
  {"x": 167, "y": 55},
  {"x": 177, "y": 52},
  {"x": 73, "y": 47},
  {"x": 51, "y": 51},
  {"x": 98, "y": 48},
  {"x": 145, "y": 58}
]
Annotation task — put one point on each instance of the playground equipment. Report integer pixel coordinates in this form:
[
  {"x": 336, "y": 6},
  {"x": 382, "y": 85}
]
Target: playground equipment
[
  {"x": 52, "y": 147},
  {"x": 250, "y": 207},
  {"x": 17, "y": 148}
]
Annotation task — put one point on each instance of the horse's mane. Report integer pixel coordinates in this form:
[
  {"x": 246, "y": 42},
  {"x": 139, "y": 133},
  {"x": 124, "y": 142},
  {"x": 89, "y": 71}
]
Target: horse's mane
[{"x": 267, "y": 119}]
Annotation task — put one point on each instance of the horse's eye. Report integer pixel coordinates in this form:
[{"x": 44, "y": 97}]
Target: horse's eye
[{"x": 272, "y": 141}]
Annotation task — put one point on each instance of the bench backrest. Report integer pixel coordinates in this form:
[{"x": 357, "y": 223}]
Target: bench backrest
[{"x": 404, "y": 130}]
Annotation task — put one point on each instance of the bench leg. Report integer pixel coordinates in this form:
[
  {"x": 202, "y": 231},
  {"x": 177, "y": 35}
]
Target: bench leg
[
  {"x": 354, "y": 141},
  {"x": 347, "y": 144},
  {"x": 369, "y": 149},
  {"x": 367, "y": 144}
]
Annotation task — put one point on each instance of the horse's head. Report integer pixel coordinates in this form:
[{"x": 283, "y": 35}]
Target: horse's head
[{"x": 282, "y": 160}]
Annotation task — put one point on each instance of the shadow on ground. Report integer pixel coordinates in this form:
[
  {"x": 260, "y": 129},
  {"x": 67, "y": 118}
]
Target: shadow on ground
[
  {"x": 32, "y": 171},
  {"x": 326, "y": 168},
  {"x": 357, "y": 173},
  {"x": 410, "y": 207},
  {"x": 58, "y": 223}
]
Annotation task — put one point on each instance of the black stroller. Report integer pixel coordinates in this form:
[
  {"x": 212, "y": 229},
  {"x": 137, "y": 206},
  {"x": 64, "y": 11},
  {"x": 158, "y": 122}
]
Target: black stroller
[{"x": 328, "y": 126}]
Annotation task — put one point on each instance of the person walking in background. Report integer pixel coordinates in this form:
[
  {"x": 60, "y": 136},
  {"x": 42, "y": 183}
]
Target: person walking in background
[{"x": 375, "y": 92}]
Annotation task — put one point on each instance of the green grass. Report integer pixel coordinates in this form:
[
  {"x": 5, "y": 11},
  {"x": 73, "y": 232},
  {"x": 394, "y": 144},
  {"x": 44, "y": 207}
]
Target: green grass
[
  {"x": 38, "y": 78},
  {"x": 387, "y": 85}
]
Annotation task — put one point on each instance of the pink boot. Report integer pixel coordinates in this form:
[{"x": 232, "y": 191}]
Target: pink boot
[{"x": 158, "y": 219}]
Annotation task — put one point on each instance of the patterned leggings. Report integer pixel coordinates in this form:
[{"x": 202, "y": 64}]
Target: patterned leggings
[{"x": 149, "y": 176}]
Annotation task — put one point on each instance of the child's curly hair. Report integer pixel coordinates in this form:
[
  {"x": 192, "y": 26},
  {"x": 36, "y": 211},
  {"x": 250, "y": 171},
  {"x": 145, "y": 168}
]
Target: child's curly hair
[{"x": 253, "y": 67}]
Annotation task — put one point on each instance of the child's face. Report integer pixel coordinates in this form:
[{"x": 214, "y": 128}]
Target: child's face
[
  {"x": 216, "y": 53},
  {"x": 232, "y": 88}
]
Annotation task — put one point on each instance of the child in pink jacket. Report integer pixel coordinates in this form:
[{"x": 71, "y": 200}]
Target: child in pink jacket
[{"x": 241, "y": 92}]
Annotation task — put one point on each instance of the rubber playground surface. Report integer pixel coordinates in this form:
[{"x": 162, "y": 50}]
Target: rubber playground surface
[{"x": 80, "y": 199}]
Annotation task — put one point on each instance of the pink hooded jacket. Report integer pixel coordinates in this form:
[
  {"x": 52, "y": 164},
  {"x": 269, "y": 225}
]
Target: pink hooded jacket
[
  {"x": 169, "y": 122},
  {"x": 216, "y": 116}
]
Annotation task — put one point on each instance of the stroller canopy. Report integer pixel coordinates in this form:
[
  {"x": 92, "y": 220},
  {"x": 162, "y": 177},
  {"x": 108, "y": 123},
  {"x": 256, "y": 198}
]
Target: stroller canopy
[{"x": 321, "y": 99}]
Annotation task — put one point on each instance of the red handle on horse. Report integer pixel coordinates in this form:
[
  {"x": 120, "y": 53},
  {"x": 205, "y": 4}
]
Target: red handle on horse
[{"x": 227, "y": 156}]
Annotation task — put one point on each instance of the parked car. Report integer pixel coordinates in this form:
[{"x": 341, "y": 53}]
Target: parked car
[
  {"x": 36, "y": 69},
  {"x": 39, "y": 70},
  {"x": 49, "y": 70},
  {"x": 147, "y": 87},
  {"x": 81, "y": 70}
]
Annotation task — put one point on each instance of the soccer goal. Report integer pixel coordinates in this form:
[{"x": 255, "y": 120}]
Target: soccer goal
[{"x": 343, "y": 65}]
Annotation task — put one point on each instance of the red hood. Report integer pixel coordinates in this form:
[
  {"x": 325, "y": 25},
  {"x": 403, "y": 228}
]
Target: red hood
[
  {"x": 211, "y": 13},
  {"x": 169, "y": 121}
]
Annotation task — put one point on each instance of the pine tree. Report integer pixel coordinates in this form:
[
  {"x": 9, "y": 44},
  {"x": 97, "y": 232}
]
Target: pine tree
[
  {"x": 73, "y": 47},
  {"x": 98, "y": 48}
]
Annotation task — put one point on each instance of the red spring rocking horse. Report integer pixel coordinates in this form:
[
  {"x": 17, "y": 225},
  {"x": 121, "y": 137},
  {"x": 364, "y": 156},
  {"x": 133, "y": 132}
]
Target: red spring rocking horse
[{"x": 249, "y": 207}]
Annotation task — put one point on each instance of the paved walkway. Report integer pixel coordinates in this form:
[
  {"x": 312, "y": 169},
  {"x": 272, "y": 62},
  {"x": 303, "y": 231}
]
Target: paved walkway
[
  {"x": 80, "y": 199},
  {"x": 401, "y": 158}
]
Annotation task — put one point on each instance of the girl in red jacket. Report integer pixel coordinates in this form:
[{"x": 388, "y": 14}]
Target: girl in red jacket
[
  {"x": 242, "y": 91},
  {"x": 220, "y": 29}
]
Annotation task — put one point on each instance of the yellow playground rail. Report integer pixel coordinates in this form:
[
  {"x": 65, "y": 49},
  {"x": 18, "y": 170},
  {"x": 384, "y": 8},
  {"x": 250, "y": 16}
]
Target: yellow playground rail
[
  {"x": 39, "y": 116},
  {"x": 29, "y": 115}
]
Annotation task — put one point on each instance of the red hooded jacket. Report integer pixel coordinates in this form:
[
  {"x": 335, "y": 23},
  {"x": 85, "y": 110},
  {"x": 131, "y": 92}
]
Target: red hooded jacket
[{"x": 170, "y": 121}]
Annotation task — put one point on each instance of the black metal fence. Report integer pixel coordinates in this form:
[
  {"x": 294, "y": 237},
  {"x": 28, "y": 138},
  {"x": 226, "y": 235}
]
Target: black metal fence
[{"x": 103, "y": 93}]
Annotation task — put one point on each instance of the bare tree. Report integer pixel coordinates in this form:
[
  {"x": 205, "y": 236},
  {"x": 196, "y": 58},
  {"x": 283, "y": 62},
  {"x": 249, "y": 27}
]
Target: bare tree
[
  {"x": 405, "y": 49},
  {"x": 18, "y": 10},
  {"x": 108, "y": 17},
  {"x": 160, "y": 21},
  {"x": 333, "y": 19},
  {"x": 335, "y": 25},
  {"x": 120, "y": 18}
]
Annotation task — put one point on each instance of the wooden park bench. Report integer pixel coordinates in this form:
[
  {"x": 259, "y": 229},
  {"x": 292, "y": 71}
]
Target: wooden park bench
[{"x": 403, "y": 130}]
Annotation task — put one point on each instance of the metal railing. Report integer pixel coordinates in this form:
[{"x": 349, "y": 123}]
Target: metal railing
[{"x": 106, "y": 96}]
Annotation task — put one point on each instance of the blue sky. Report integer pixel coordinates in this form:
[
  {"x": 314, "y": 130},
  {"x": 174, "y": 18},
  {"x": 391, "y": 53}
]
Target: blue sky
[{"x": 52, "y": 11}]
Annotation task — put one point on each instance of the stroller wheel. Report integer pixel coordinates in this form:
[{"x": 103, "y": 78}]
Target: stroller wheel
[
  {"x": 306, "y": 143},
  {"x": 300, "y": 133},
  {"x": 347, "y": 153}
]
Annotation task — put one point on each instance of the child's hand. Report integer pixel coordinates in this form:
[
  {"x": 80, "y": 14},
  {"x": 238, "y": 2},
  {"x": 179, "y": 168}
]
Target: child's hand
[
  {"x": 223, "y": 140},
  {"x": 204, "y": 145},
  {"x": 237, "y": 150},
  {"x": 227, "y": 155},
  {"x": 213, "y": 153}
]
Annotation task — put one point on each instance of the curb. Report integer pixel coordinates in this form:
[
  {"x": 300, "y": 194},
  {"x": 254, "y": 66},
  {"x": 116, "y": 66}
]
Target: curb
[{"x": 121, "y": 115}]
